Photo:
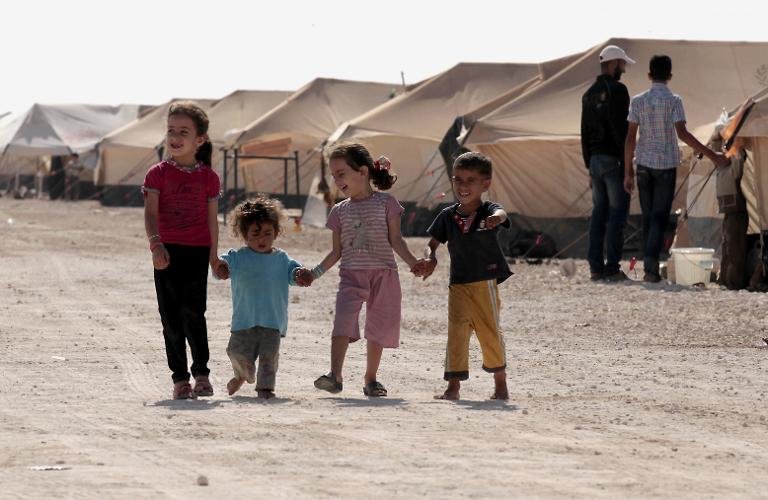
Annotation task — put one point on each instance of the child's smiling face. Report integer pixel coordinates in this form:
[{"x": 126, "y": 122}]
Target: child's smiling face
[
  {"x": 261, "y": 236},
  {"x": 353, "y": 183},
  {"x": 469, "y": 185},
  {"x": 182, "y": 140}
]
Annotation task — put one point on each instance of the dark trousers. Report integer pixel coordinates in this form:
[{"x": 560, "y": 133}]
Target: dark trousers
[
  {"x": 610, "y": 207},
  {"x": 734, "y": 249},
  {"x": 656, "y": 189},
  {"x": 181, "y": 297}
]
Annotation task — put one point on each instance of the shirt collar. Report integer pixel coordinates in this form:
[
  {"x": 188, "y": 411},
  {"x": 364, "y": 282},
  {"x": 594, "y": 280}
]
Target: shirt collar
[
  {"x": 659, "y": 85},
  {"x": 173, "y": 163}
]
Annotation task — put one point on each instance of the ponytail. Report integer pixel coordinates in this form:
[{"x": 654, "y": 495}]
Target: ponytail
[
  {"x": 204, "y": 153},
  {"x": 357, "y": 156}
]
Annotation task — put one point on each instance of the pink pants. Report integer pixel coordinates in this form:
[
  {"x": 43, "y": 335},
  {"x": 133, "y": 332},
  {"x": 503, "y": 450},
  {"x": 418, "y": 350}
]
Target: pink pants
[{"x": 380, "y": 290}]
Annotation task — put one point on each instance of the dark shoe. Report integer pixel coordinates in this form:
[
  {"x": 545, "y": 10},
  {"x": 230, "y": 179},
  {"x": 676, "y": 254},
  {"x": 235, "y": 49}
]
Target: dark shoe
[
  {"x": 183, "y": 390},
  {"x": 328, "y": 383},
  {"x": 651, "y": 278},
  {"x": 617, "y": 276},
  {"x": 203, "y": 386},
  {"x": 596, "y": 276},
  {"x": 374, "y": 389}
]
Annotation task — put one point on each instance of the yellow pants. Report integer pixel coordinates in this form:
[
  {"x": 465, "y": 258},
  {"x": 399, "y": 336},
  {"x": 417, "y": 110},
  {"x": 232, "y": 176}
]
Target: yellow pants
[{"x": 473, "y": 307}]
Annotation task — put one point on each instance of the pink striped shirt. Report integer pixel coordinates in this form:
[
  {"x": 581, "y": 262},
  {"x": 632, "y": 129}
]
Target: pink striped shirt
[{"x": 365, "y": 231}]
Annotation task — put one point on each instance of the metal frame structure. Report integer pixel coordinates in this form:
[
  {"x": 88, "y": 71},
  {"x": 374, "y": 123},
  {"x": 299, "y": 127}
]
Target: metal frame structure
[{"x": 235, "y": 155}]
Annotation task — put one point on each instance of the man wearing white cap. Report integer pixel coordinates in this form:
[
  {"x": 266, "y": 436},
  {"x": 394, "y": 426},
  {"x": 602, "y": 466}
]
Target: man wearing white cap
[{"x": 604, "y": 109}]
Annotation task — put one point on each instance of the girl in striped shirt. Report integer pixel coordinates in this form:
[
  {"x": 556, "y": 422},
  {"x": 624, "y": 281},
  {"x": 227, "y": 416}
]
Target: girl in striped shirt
[{"x": 366, "y": 231}]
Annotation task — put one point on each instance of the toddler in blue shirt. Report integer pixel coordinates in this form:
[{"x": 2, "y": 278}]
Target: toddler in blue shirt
[{"x": 260, "y": 277}]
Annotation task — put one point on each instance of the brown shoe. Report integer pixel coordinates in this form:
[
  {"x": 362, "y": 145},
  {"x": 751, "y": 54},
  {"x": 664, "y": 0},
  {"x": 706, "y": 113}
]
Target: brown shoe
[
  {"x": 203, "y": 386},
  {"x": 596, "y": 276},
  {"x": 183, "y": 390}
]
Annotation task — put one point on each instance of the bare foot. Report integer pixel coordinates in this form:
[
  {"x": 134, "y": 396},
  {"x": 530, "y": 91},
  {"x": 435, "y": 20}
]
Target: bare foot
[
  {"x": 501, "y": 395},
  {"x": 234, "y": 385},
  {"x": 448, "y": 396},
  {"x": 265, "y": 393},
  {"x": 452, "y": 392},
  {"x": 500, "y": 391}
]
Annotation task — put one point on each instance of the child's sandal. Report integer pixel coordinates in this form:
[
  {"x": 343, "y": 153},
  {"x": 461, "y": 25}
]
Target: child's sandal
[
  {"x": 374, "y": 389},
  {"x": 328, "y": 383}
]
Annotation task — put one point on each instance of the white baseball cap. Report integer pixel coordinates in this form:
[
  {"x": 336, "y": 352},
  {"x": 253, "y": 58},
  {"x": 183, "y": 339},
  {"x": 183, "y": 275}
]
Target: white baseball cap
[{"x": 612, "y": 52}]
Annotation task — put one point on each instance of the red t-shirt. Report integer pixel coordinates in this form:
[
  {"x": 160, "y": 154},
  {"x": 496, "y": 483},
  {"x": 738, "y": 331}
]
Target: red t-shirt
[{"x": 184, "y": 196}]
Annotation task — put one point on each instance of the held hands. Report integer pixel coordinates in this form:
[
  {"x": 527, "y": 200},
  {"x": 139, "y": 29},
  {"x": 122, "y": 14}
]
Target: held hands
[
  {"x": 424, "y": 268},
  {"x": 160, "y": 257},
  {"x": 220, "y": 269},
  {"x": 303, "y": 277}
]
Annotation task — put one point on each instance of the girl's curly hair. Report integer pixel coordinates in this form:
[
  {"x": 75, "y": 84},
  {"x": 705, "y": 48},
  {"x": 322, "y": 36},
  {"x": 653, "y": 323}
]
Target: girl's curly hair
[
  {"x": 259, "y": 210},
  {"x": 357, "y": 156}
]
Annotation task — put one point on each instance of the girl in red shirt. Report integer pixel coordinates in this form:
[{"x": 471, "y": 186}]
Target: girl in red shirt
[{"x": 181, "y": 204}]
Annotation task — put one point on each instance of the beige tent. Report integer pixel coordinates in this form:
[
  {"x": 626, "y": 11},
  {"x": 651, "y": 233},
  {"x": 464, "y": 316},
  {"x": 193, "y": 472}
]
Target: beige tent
[
  {"x": 232, "y": 113},
  {"x": 409, "y": 128},
  {"x": 534, "y": 138},
  {"x": 753, "y": 133},
  {"x": 302, "y": 123}
]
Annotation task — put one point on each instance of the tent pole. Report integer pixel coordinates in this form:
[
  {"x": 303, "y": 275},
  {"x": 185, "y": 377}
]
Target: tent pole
[
  {"x": 285, "y": 178},
  {"x": 225, "y": 205},
  {"x": 298, "y": 186},
  {"x": 236, "y": 169}
]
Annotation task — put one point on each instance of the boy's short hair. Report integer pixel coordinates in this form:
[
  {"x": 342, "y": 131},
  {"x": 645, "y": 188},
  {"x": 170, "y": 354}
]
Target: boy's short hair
[
  {"x": 660, "y": 68},
  {"x": 477, "y": 162}
]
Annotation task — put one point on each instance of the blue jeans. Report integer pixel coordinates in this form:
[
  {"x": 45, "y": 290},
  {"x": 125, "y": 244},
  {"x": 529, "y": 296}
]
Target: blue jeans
[
  {"x": 656, "y": 189},
  {"x": 610, "y": 207}
]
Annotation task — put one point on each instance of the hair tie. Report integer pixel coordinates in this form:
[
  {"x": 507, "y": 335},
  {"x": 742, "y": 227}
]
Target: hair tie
[{"x": 382, "y": 163}]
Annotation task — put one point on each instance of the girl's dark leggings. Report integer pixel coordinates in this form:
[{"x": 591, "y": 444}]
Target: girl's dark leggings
[{"x": 181, "y": 297}]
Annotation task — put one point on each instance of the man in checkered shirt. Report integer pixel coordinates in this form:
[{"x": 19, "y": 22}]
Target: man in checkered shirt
[{"x": 660, "y": 117}]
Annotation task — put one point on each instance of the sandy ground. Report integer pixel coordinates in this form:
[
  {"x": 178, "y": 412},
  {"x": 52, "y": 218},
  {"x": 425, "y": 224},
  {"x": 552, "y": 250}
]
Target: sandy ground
[{"x": 624, "y": 390}]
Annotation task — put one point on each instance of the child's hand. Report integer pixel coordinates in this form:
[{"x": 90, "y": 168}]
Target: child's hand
[
  {"x": 418, "y": 268},
  {"x": 493, "y": 221},
  {"x": 160, "y": 257},
  {"x": 429, "y": 267},
  {"x": 220, "y": 269},
  {"x": 424, "y": 267},
  {"x": 303, "y": 276}
]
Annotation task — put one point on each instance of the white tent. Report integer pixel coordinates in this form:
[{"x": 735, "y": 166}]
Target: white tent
[
  {"x": 408, "y": 129},
  {"x": 52, "y": 130},
  {"x": 302, "y": 123},
  {"x": 533, "y": 139}
]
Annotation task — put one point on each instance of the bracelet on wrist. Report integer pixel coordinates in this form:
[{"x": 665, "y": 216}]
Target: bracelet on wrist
[
  {"x": 317, "y": 271},
  {"x": 153, "y": 237}
]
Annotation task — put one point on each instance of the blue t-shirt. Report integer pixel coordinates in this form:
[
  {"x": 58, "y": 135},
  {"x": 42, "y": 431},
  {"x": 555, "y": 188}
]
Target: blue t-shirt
[{"x": 260, "y": 288}]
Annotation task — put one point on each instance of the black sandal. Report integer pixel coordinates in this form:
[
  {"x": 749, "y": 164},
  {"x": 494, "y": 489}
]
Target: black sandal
[
  {"x": 374, "y": 389},
  {"x": 329, "y": 383}
]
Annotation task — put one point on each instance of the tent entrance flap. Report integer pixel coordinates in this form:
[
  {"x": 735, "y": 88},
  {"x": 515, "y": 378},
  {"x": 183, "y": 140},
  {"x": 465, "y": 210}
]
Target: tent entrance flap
[{"x": 288, "y": 162}]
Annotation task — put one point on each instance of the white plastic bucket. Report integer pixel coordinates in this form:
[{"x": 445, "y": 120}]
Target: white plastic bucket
[{"x": 693, "y": 265}]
